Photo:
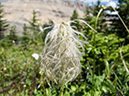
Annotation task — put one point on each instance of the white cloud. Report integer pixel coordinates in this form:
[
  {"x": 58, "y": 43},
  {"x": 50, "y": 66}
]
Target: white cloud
[
  {"x": 113, "y": 4},
  {"x": 108, "y": 2},
  {"x": 109, "y": 12}
]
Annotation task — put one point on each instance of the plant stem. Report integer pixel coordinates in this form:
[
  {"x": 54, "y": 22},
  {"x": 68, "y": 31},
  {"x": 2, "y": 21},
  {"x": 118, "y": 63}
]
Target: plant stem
[
  {"x": 94, "y": 41},
  {"x": 94, "y": 44},
  {"x": 120, "y": 19},
  {"x": 98, "y": 17},
  {"x": 61, "y": 90},
  {"x": 123, "y": 61}
]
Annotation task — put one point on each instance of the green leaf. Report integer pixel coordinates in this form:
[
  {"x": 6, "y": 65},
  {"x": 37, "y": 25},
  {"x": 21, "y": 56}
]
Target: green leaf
[
  {"x": 73, "y": 88},
  {"x": 97, "y": 93},
  {"x": 48, "y": 92},
  {"x": 105, "y": 89},
  {"x": 107, "y": 68}
]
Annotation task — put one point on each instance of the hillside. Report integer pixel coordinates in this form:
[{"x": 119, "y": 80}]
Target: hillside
[{"x": 56, "y": 10}]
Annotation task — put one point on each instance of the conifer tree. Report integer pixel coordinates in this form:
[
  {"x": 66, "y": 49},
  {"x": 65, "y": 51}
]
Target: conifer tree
[
  {"x": 97, "y": 7},
  {"x": 3, "y": 23},
  {"x": 34, "y": 21},
  {"x": 25, "y": 38},
  {"x": 73, "y": 17},
  {"x": 88, "y": 13},
  {"x": 117, "y": 26},
  {"x": 91, "y": 16},
  {"x": 12, "y": 34},
  {"x": 33, "y": 26},
  {"x": 43, "y": 34}
]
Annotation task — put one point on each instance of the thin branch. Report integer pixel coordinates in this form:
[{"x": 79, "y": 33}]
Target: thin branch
[
  {"x": 120, "y": 91},
  {"x": 121, "y": 20},
  {"x": 123, "y": 60}
]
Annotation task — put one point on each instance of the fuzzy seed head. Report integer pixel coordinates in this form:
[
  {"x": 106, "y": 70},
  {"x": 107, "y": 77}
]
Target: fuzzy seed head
[{"x": 60, "y": 58}]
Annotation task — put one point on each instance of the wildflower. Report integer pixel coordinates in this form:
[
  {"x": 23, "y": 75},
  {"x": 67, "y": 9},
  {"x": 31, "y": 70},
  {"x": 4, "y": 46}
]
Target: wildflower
[
  {"x": 60, "y": 58},
  {"x": 36, "y": 56},
  {"x": 86, "y": 78},
  {"x": 4, "y": 68},
  {"x": 24, "y": 62},
  {"x": 13, "y": 42},
  {"x": 24, "y": 86}
]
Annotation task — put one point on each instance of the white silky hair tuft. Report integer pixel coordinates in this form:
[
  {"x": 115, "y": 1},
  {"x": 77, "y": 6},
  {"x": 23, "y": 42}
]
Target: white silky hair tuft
[{"x": 60, "y": 58}]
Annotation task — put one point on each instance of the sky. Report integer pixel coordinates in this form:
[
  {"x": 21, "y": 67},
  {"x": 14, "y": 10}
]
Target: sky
[
  {"x": 112, "y": 3},
  {"x": 2, "y": 0},
  {"x": 105, "y": 2}
]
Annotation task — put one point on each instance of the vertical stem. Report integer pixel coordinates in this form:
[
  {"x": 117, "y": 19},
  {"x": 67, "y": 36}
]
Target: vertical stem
[
  {"x": 61, "y": 90},
  {"x": 98, "y": 17},
  {"x": 24, "y": 92},
  {"x": 94, "y": 44}
]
